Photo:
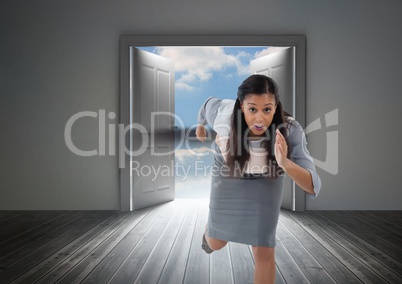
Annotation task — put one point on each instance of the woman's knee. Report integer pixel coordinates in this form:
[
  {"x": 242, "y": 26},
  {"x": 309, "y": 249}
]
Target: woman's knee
[
  {"x": 263, "y": 254},
  {"x": 215, "y": 244}
]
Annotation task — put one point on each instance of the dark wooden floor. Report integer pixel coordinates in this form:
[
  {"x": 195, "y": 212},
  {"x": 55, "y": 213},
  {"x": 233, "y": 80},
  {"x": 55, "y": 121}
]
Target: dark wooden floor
[{"x": 161, "y": 244}]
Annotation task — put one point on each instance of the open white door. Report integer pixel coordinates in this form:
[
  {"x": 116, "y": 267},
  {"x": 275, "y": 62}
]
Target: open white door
[
  {"x": 152, "y": 103},
  {"x": 280, "y": 67}
]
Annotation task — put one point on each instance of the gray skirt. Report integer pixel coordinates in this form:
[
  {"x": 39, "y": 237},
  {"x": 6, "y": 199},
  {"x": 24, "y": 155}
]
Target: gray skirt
[{"x": 244, "y": 210}]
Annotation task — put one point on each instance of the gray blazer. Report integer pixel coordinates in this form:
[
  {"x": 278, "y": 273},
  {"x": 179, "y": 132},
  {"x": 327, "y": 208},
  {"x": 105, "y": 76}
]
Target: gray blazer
[{"x": 214, "y": 112}]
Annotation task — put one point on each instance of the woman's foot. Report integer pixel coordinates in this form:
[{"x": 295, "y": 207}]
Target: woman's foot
[{"x": 205, "y": 245}]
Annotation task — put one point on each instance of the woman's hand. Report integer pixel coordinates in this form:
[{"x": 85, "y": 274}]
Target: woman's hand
[
  {"x": 301, "y": 176},
  {"x": 281, "y": 149},
  {"x": 201, "y": 133}
]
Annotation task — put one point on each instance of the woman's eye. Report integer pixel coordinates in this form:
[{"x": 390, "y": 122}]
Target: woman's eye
[{"x": 267, "y": 110}]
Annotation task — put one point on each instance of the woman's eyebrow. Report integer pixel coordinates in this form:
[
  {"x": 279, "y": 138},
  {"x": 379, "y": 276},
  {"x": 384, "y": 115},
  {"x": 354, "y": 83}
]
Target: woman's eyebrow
[{"x": 264, "y": 105}]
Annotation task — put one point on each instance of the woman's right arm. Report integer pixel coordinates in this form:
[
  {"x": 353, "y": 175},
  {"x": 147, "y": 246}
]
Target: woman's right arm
[
  {"x": 300, "y": 155},
  {"x": 201, "y": 133},
  {"x": 206, "y": 115}
]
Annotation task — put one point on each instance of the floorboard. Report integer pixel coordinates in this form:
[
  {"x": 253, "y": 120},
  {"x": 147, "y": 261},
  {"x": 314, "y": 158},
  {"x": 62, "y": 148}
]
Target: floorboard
[
  {"x": 197, "y": 268},
  {"x": 138, "y": 254},
  {"x": 86, "y": 260},
  {"x": 175, "y": 266},
  {"x": 376, "y": 238},
  {"x": 353, "y": 267},
  {"x": 73, "y": 252},
  {"x": 394, "y": 217},
  {"x": 310, "y": 267},
  {"x": 162, "y": 244},
  {"x": 107, "y": 258},
  {"x": 34, "y": 237},
  {"x": 221, "y": 270},
  {"x": 242, "y": 263},
  {"x": 381, "y": 263},
  {"x": 151, "y": 271},
  {"x": 381, "y": 223},
  {"x": 317, "y": 249},
  {"x": 379, "y": 229},
  {"x": 25, "y": 259},
  {"x": 287, "y": 269},
  {"x": 24, "y": 222}
]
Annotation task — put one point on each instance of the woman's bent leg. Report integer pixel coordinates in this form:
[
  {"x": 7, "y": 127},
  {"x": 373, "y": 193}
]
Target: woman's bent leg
[
  {"x": 214, "y": 244},
  {"x": 264, "y": 272}
]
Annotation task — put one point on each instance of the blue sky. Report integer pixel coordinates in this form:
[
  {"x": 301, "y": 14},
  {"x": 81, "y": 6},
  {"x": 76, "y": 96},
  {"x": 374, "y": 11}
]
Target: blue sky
[{"x": 201, "y": 72}]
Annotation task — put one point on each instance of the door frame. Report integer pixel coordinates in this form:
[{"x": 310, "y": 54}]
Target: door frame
[{"x": 126, "y": 89}]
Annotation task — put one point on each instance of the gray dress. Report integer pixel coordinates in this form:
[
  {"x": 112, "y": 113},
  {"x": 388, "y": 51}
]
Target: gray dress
[{"x": 246, "y": 210}]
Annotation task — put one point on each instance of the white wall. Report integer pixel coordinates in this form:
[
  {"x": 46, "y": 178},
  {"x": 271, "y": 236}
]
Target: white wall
[{"x": 58, "y": 58}]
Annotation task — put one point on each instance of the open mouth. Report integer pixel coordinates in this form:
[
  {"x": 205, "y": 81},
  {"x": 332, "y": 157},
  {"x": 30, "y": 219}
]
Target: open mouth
[{"x": 258, "y": 127}]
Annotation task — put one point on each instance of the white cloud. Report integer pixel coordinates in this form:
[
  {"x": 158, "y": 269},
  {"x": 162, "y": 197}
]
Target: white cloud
[
  {"x": 191, "y": 153},
  {"x": 269, "y": 50},
  {"x": 184, "y": 86},
  {"x": 198, "y": 63},
  {"x": 194, "y": 182}
]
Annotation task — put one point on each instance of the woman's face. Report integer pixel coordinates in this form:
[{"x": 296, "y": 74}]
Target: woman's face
[{"x": 258, "y": 112}]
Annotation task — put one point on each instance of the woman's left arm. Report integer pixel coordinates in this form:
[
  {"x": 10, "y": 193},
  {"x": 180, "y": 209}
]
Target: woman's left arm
[{"x": 300, "y": 167}]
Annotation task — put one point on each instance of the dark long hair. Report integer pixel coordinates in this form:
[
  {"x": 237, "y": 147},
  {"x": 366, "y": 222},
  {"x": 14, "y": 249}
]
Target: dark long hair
[{"x": 237, "y": 145}]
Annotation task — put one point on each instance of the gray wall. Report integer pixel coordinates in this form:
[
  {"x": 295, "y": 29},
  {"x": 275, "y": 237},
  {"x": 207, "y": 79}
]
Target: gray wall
[{"x": 58, "y": 58}]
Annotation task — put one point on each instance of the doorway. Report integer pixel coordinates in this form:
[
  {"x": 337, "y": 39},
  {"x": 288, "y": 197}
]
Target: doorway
[{"x": 294, "y": 201}]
